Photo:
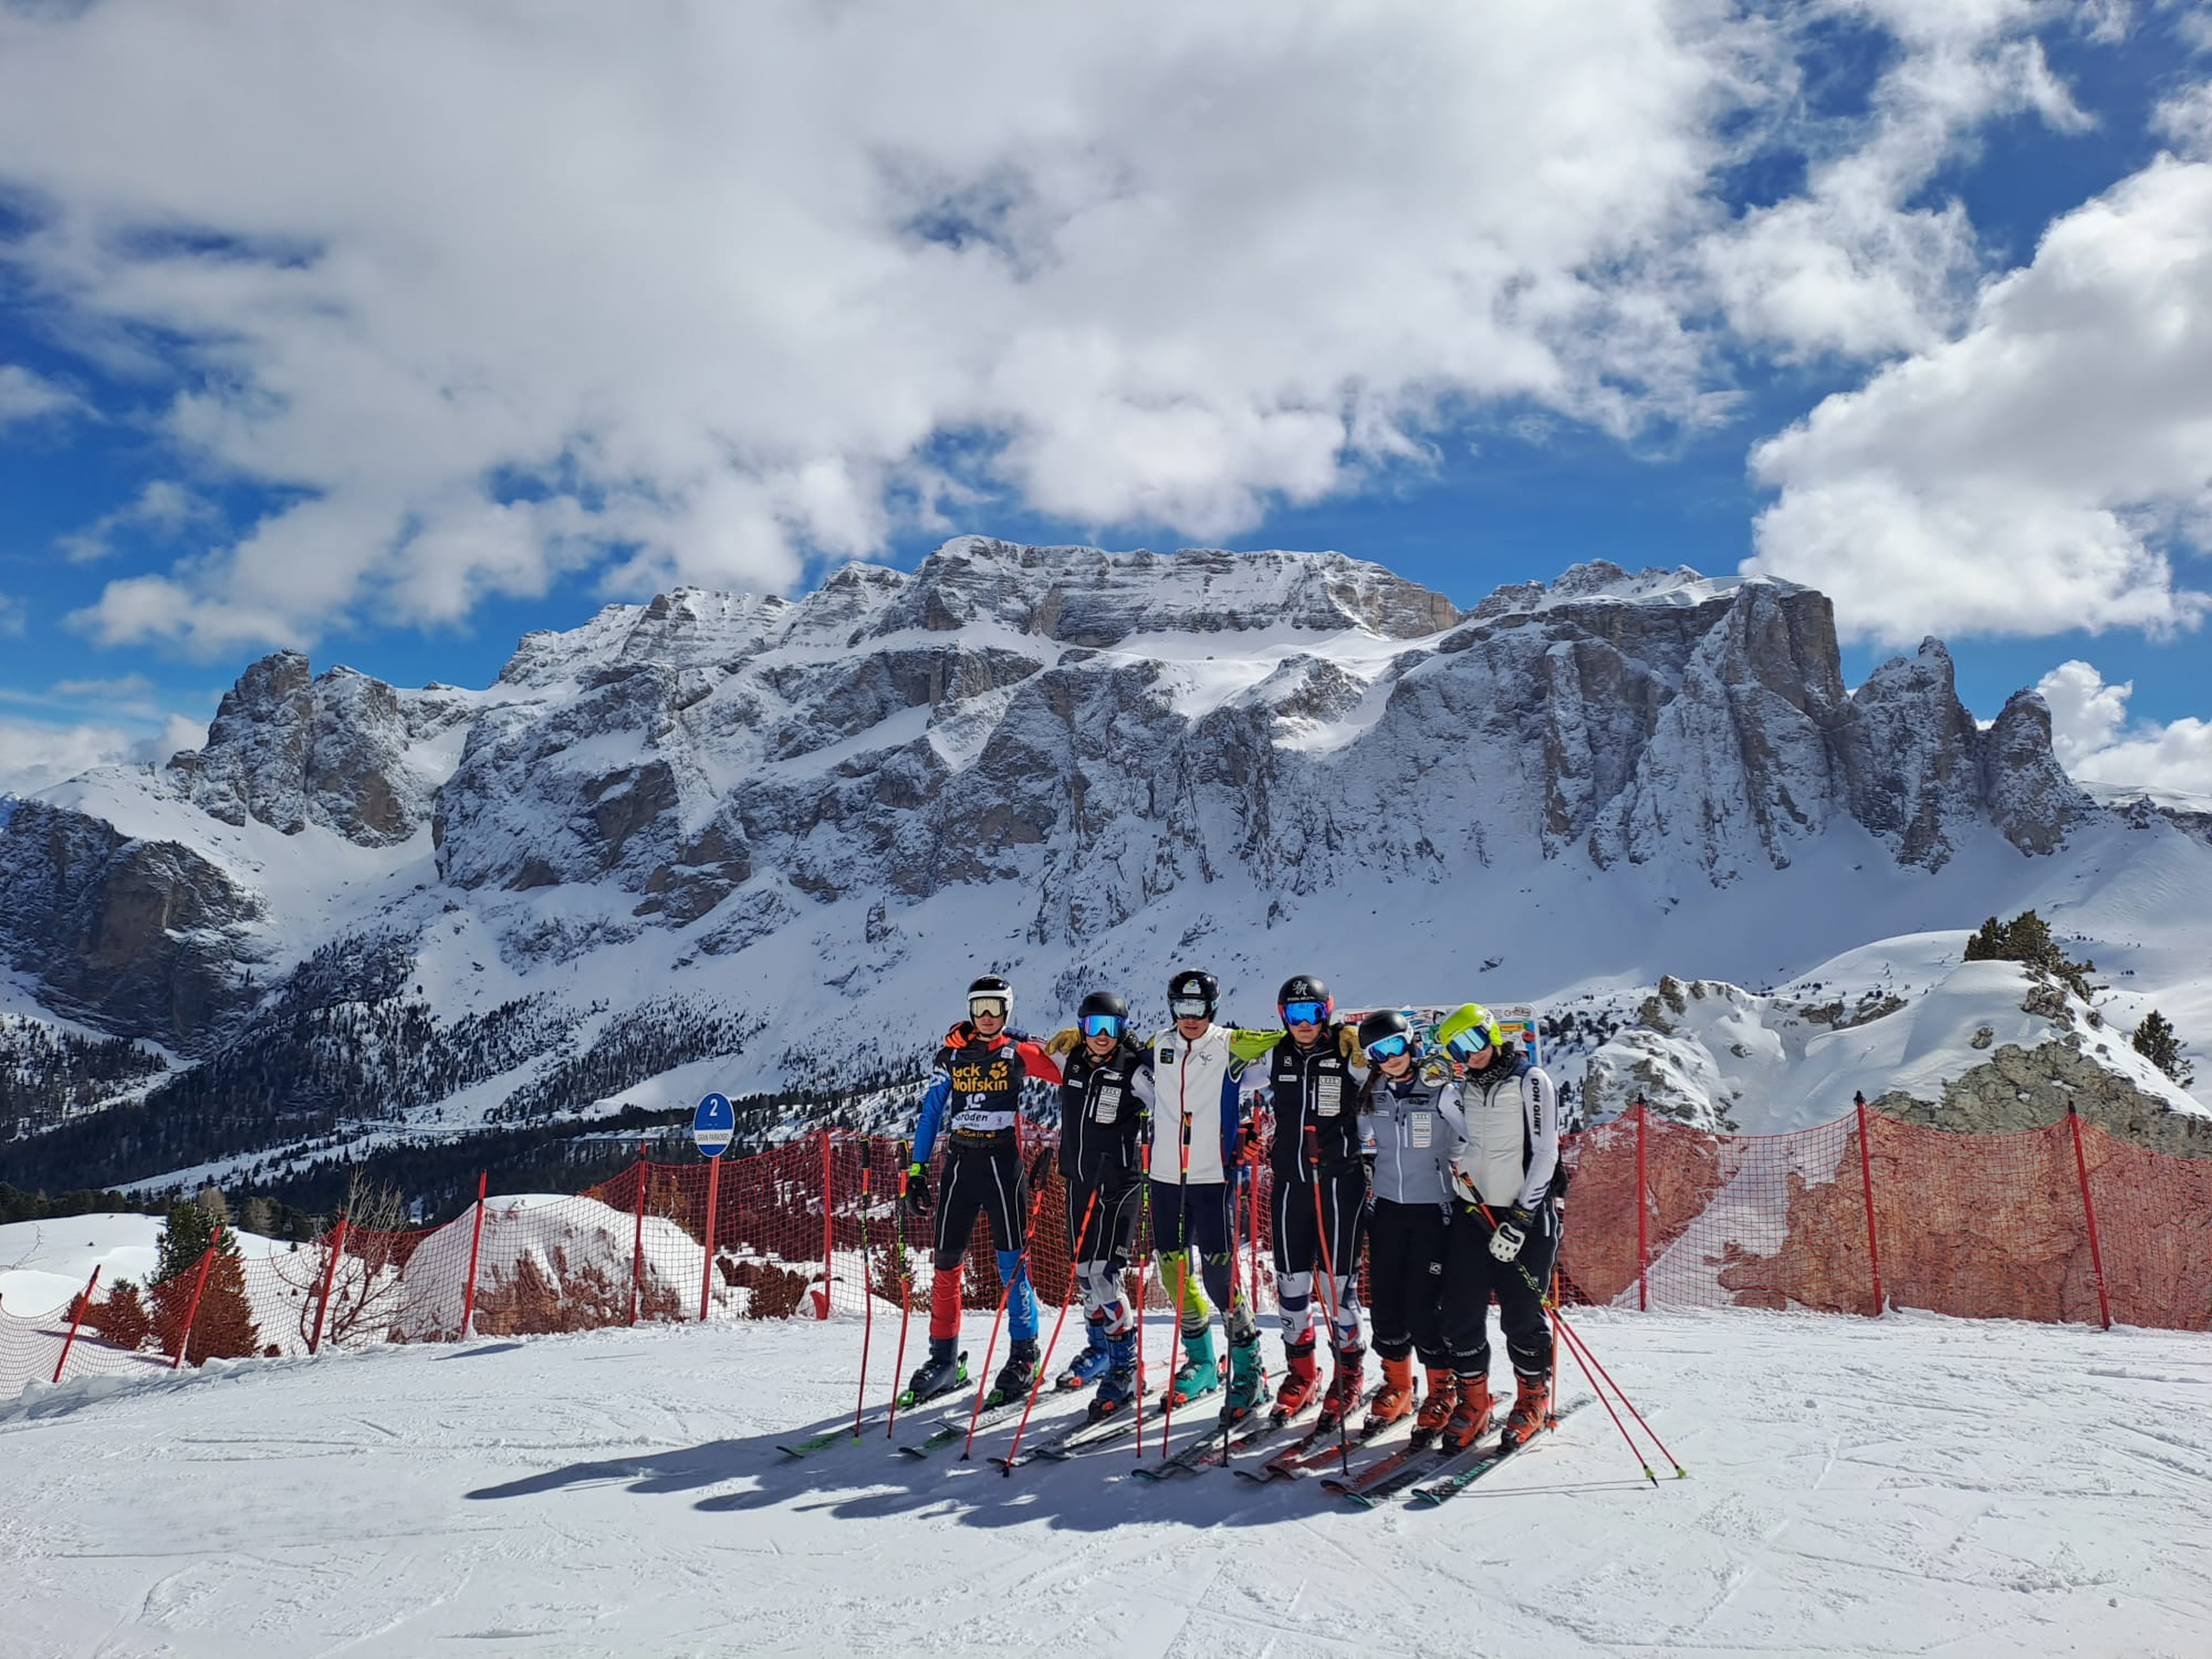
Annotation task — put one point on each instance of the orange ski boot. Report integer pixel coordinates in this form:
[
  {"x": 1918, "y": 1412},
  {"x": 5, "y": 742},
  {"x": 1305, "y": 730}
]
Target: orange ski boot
[
  {"x": 1393, "y": 1401},
  {"x": 1437, "y": 1408},
  {"x": 1470, "y": 1416},
  {"x": 1532, "y": 1408}
]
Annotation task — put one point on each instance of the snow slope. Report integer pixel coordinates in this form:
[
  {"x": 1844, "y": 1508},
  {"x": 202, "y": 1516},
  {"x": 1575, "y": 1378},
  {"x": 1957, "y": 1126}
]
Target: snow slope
[
  {"x": 1900, "y": 1486},
  {"x": 43, "y": 1264}
]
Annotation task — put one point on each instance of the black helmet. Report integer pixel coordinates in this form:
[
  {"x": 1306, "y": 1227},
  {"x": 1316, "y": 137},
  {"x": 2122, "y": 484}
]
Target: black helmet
[
  {"x": 1384, "y": 1024},
  {"x": 1304, "y": 987},
  {"x": 991, "y": 985},
  {"x": 1104, "y": 1002},
  {"x": 1194, "y": 985}
]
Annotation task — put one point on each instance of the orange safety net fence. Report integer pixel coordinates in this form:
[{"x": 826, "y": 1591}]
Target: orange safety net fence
[{"x": 2066, "y": 1222}]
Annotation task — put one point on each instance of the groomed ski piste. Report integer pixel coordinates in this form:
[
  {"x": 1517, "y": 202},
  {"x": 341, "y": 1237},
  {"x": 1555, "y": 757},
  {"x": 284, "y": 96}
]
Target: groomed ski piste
[{"x": 1905, "y": 1485}]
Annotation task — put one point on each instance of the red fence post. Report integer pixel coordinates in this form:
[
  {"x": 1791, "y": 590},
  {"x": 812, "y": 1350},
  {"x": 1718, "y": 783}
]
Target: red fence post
[
  {"x": 828, "y": 1235},
  {"x": 329, "y": 1272},
  {"x": 1866, "y": 1187},
  {"x": 637, "y": 1244},
  {"x": 476, "y": 1245},
  {"x": 714, "y": 1203},
  {"x": 1643, "y": 1204},
  {"x": 199, "y": 1284},
  {"x": 76, "y": 1318},
  {"x": 2089, "y": 1210}
]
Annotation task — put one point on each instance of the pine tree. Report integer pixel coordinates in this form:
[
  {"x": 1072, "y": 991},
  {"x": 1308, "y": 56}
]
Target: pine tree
[
  {"x": 2155, "y": 1040},
  {"x": 2026, "y": 940}
]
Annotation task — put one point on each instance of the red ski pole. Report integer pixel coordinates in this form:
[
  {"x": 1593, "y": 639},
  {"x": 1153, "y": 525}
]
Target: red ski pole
[
  {"x": 1006, "y": 1290},
  {"x": 1037, "y": 1381},
  {"x": 906, "y": 1293},
  {"x": 1329, "y": 1279},
  {"x": 867, "y": 1295}
]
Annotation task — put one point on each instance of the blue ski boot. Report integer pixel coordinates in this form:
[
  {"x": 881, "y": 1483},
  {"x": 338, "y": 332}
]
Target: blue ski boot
[
  {"x": 1119, "y": 1386},
  {"x": 1248, "y": 1378},
  {"x": 1088, "y": 1366},
  {"x": 1199, "y": 1375}
]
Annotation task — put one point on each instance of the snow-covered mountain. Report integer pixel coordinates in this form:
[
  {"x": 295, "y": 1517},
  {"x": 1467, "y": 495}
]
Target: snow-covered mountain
[{"x": 733, "y": 841}]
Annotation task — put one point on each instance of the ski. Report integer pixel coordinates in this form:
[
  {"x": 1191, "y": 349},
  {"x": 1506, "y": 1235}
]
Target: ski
[
  {"x": 1441, "y": 1491},
  {"x": 1083, "y": 1435},
  {"x": 1302, "y": 1455},
  {"x": 805, "y": 1447},
  {"x": 955, "y": 1426},
  {"x": 1377, "y": 1469},
  {"x": 1206, "y": 1448},
  {"x": 1057, "y": 1440}
]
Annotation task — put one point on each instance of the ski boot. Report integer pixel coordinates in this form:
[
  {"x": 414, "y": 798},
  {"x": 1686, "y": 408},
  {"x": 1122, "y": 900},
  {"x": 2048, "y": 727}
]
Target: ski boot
[
  {"x": 1199, "y": 1375},
  {"x": 1016, "y": 1375},
  {"x": 1301, "y": 1380},
  {"x": 942, "y": 1372},
  {"x": 1393, "y": 1401},
  {"x": 1248, "y": 1379},
  {"x": 1532, "y": 1408},
  {"x": 1470, "y": 1418},
  {"x": 1437, "y": 1407},
  {"x": 1344, "y": 1387},
  {"x": 1119, "y": 1386},
  {"x": 1088, "y": 1366}
]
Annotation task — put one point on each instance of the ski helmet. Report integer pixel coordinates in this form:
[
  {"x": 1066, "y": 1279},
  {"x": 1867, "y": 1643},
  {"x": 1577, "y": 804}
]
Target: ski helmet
[
  {"x": 1467, "y": 1030},
  {"x": 992, "y": 988},
  {"x": 1101, "y": 1006},
  {"x": 1192, "y": 987},
  {"x": 1305, "y": 988},
  {"x": 1385, "y": 1026}
]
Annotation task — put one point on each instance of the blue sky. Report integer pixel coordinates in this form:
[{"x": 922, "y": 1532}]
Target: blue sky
[{"x": 1911, "y": 303}]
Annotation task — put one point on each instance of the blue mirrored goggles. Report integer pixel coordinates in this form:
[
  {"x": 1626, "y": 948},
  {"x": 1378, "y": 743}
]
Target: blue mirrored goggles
[
  {"x": 1305, "y": 1013},
  {"x": 1101, "y": 1025},
  {"x": 1468, "y": 1043},
  {"x": 1395, "y": 1043}
]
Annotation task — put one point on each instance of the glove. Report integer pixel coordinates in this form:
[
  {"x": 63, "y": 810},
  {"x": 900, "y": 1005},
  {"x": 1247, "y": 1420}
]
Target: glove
[
  {"x": 961, "y": 1034},
  {"x": 1511, "y": 1233},
  {"x": 1251, "y": 1146},
  {"x": 917, "y": 1189},
  {"x": 1347, "y": 1042},
  {"x": 1063, "y": 1039}
]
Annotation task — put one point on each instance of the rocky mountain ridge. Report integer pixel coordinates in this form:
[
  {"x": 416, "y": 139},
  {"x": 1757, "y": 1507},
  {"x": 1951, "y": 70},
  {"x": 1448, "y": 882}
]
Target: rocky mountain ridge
[{"x": 1073, "y": 760}]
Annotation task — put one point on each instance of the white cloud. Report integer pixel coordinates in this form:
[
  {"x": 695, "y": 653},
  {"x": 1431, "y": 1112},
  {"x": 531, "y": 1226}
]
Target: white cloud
[
  {"x": 713, "y": 287},
  {"x": 26, "y": 396},
  {"x": 1855, "y": 264},
  {"x": 2039, "y": 472},
  {"x": 127, "y": 685},
  {"x": 163, "y": 508},
  {"x": 2089, "y": 732},
  {"x": 35, "y": 754}
]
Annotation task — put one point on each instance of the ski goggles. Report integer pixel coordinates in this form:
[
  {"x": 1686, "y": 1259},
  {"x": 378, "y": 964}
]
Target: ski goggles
[
  {"x": 1101, "y": 1025},
  {"x": 1391, "y": 1046},
  {"x": 1305, "y": 1013},
  {"x": 1190, "y": 1008},
  {"x": 986, "y": 1007},
  {"x": 1466, "y": 1045}
]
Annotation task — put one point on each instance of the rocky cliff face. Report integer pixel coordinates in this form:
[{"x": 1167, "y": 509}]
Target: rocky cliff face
[
  {"x": 288, "y": 749},
  {"x": 1061, "y": 737},
  {"x": 143, "y": 938}
]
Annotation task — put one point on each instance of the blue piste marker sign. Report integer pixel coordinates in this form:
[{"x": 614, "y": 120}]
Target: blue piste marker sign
[{"x": 713, "y": 1125}]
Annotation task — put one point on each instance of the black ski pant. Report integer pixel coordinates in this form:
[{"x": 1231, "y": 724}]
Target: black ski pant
[
  {"x": 982, "y": 1182},
  {"x": 1196, "y": 1218},
  {"x": 1100, "y": 1246},
  {"x": 1473, "y": 1276},
  {"x": 1406, "y": 1280},
  {"x": 1305, "y": 1213}
]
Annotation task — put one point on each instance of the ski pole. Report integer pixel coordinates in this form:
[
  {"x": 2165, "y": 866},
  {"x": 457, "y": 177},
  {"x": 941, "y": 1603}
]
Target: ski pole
[
  {"x": 1144, "y": 1264},
  {"x": 1037, "y": 1381},
  {"x": 867, "y": 1295},
  {"x": 1583, "y": 1358},
  {"x": 1329, "y": 1279},
  {"x": 906, "y": 1292},
  {"x": 1183, "y": 1276},
  {"x": 1006, "y": 1292}
]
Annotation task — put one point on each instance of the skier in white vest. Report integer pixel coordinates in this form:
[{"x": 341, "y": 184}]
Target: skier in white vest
[{"x": 1504, "y": 1231}]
